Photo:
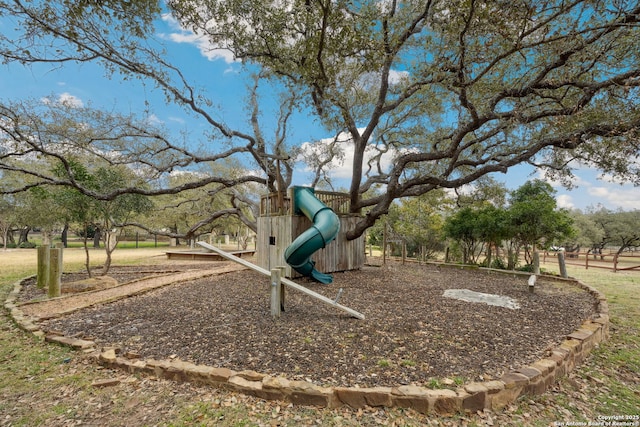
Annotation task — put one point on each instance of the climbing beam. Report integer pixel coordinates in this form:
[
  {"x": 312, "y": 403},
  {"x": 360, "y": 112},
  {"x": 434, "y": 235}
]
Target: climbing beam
[{"x": 284, "y": 280}]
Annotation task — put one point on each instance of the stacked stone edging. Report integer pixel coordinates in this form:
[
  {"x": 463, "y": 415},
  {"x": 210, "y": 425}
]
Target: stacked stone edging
[{"x": 533, "y": 379}]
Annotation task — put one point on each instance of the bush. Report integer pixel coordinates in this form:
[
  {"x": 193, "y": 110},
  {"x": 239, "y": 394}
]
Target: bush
[
  {"x": 27, "y": 245},
  {"x": 497, "y": 263},
  {"x": 526, "y": 268}
]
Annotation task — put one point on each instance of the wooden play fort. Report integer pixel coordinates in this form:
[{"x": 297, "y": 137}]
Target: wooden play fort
[{"x": 281, "y": 222}]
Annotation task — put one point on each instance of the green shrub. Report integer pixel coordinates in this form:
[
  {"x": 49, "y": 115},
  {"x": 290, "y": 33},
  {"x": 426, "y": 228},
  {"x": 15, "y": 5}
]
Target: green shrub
[{"x": 526, "y": 268}]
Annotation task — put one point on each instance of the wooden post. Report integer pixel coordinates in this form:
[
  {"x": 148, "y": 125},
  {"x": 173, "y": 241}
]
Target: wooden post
[
  {"x": 284, "y": 280},
  {"x": 586, "y": 261},
  {"x": 43, "y": 266},
  {"x": 561, "y": 263},
  {"x": 536, "y": 262},
  {"x": 60, "y": 246},
  {"x": 404, "y": 252},
  {"x": 384, "y": 244},
  {"x": 276, "y": 292},
  {"x": 55, "y": 272},
  {"x": 532, "y": 283},
  {"x": 615, "y": 263},
  {"x": 283, "y": 289}
]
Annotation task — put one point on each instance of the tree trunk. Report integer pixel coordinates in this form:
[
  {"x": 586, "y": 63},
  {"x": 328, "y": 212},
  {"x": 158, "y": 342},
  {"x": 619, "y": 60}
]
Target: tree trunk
[
  {"x": 24, "y": 235},
  {"x": 47, "y": 237},
  {"x": 5, "y": 238},
  {"x": 65, "y": 235},
  {"x": 96, "y": 238},
  {"x": 489, "y": 255},
  {"x": 85, "y": 244},
  {"x": 110, "y": 243},
  {"x": 10, "y": 237}
]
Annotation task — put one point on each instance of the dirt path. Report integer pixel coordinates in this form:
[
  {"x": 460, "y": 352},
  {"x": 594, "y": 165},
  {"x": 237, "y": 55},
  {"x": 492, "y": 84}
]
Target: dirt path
[{"x": 68, "y": 304}]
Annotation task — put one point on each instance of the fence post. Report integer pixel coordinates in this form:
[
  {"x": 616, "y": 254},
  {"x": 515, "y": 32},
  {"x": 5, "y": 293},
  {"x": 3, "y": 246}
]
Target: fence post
[
  {"x": 283, "y": 290},
  {"x": 276, "y": 289},
  {"x": 615, "y": 263},
  {"x": 384, "y": 244},
  {"x": 60, "y": 246},
  {"x": 43, "y": 266},
  {"x": 586, "y": 261},
  {"x": 561, "y": 263},
  {"x": 55, "y": 272}
]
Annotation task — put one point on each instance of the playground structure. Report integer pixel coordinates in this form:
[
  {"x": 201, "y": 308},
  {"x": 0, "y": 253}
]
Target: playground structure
[
  {"x": 325, "y": 228},
  {"x": 277, "y": 294},
  {"x": 298, "y": 233},
  {"x": 305, "y": 231}
]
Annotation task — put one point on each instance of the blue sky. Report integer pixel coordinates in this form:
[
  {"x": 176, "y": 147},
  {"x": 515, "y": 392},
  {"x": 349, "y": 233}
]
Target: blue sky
[{"x": 225, "y": 83}]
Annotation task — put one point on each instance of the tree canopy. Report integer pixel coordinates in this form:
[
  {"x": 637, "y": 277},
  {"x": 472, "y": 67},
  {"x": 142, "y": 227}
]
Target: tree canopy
[
  {"x": 451, "y": 90},
  {"x": 531, "y": 221}
]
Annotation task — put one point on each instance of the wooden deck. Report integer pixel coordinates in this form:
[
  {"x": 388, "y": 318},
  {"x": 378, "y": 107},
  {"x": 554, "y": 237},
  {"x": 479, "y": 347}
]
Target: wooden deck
[{"x": 205, "y": 255}]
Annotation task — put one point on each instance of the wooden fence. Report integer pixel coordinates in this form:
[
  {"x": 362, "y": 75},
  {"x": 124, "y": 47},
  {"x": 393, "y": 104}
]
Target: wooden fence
[
  {"x": 610, "y": 261},
  {"x": 627, "y": 261},
  {"x": 280, "y": 204}
]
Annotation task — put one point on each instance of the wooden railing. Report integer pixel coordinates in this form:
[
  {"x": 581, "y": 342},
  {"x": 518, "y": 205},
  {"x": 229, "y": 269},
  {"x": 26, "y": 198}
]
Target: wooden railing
[
  {"x": 610, "y": 261},
  {"x": 280, "y": 204}
]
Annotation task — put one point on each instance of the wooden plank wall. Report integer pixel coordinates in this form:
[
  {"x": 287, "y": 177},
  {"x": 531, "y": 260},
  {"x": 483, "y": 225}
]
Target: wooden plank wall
[
  {"x": 340, "y": 255},
  {"x": 270, "y": 256}
]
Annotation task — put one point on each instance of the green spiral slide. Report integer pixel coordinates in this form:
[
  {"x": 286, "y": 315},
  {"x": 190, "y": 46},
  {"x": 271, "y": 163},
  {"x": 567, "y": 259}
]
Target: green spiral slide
[{"x": 324, "y": 229}]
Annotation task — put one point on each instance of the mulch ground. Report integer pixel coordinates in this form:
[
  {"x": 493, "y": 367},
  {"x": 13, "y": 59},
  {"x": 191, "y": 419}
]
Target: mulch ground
[{"x": 411, "y": 334}]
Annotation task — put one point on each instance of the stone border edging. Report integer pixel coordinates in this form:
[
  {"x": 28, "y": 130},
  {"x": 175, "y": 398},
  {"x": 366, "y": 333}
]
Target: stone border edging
[{"x": 533, "y": 379}]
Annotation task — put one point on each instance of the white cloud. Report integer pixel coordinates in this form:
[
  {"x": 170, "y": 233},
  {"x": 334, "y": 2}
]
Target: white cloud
[
  {"x": 591, "y": 187},
  {"x": 576, "y": 181},
  {"x": 396, "y": 77},
  {"x": 341, "y": 166},
  {"x": 154, "y": 120},
  {"x": 179, "y": 173},
  {"x": 626, "y": 197},
  {"x": 565, "y": 201},
  {"x": 65, "y": 99},
  {"x": 180, "y": 34},
  {"x": 70, "y": 100},
  {"x": 179, "y": 120}
]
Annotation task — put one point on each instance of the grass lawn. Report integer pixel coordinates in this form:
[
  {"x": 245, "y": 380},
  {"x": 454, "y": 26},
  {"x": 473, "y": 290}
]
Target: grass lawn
[{"x": 44, "y": 384}]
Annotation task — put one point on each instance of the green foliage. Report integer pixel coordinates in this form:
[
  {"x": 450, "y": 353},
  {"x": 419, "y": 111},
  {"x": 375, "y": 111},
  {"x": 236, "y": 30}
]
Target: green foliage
[
  {"x": 463, "y": 227},
  {"x": 451, "y": 91},
  {"x": 612, "y": 228},
  {"x": 530, "y": 221},
  {"x": 527, "y": 268},
  {"x": 498, "y": 263},
  {"x": 534, "y": 217},
  {"x": 417, "y": 222}
]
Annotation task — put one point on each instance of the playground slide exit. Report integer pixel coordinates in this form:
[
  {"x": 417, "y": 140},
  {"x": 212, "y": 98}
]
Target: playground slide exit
[{"x": 326, "y": 225}]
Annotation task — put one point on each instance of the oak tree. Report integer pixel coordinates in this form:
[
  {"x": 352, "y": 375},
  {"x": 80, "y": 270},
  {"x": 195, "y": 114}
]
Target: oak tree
[{"x": 452, "y": 90}]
